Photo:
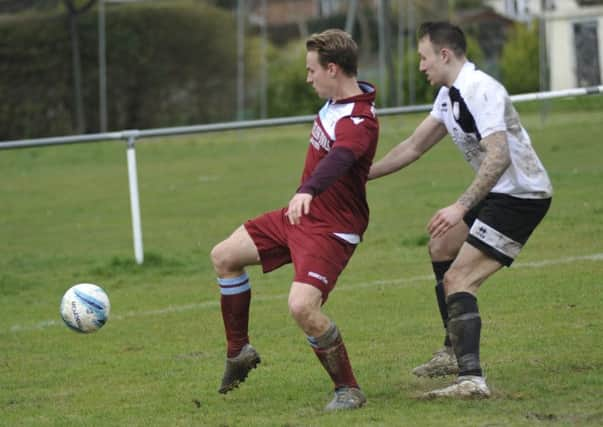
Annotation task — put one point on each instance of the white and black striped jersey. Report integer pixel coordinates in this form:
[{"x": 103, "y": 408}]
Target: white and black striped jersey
[{"x": 477, "y": 105}]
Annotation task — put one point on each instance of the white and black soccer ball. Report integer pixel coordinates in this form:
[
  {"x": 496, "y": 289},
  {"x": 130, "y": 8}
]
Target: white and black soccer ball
[{"x": 85, "y": 307}]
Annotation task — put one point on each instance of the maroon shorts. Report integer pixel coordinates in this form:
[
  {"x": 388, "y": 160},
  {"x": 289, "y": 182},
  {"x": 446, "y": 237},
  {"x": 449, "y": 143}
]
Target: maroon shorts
[{"x": 318, "y": 259}]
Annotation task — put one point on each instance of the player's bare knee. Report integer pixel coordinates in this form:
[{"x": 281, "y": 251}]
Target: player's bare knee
[
  {"x": 440, "y": 250},
  {"x": 299, "y": 310},
  {"x": 215, "y": 254},
  {"x": 221, "y": 259}
]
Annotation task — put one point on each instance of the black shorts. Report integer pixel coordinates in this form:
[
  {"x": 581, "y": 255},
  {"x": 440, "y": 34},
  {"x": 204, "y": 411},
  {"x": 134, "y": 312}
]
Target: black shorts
[{"x": 501, "y": 224}]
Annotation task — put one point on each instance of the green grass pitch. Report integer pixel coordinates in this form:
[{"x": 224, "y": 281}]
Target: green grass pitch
[{"x": 65, "y": 218}]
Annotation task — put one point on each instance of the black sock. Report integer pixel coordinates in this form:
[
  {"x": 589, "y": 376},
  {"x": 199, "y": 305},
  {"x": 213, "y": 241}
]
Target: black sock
[
  {"x": 464, "y": 327},
  {"x": 439, "y": 269}
]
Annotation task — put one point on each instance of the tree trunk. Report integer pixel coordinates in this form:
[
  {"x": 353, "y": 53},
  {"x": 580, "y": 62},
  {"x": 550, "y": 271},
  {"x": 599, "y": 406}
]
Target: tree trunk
[
  {"x": 80, "y": 121},
  {"x": 73, "y": 11}
]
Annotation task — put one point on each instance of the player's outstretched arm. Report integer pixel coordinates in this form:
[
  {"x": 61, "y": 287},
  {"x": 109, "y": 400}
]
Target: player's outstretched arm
[{"x": 425, "y": 136}]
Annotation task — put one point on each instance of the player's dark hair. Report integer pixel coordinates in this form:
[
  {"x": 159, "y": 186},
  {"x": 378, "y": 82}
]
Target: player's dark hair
[
  {"x": 444, "y": 34},
  {"x": 335, "y": 46}
]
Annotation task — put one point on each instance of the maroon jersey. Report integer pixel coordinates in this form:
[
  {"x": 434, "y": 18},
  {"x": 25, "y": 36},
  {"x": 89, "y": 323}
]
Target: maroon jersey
[{"x": 349, "y": 126}]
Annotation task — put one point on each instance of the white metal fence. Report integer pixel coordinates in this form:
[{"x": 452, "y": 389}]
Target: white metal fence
[{"x": 130, "y": 136}]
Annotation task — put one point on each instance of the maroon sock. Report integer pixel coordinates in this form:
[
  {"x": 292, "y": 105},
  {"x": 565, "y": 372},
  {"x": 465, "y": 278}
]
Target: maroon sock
[
  {"x": 331, "y": 351},
  {"x": 235, "y": 301}
]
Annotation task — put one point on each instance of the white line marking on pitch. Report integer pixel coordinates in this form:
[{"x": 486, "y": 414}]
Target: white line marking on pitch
[{"x": 350, "y": 287}]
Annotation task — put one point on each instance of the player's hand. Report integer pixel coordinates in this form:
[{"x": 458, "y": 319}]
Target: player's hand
[
  {"x": 445, "y": 219},
  {"x": 299, "y": 205}
]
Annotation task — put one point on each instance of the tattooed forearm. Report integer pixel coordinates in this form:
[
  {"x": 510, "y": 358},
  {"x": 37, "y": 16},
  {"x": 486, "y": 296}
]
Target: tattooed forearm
[{"x": 494, "y": 165}]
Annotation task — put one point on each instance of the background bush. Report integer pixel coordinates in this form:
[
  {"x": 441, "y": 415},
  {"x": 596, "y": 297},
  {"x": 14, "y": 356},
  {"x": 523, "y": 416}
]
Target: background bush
[
  {"x": 168, "y": 64},
  {"x": 173, "y": 63},
  {"x": 519, "y": 63},
  {"x": 288, "y": 92}
]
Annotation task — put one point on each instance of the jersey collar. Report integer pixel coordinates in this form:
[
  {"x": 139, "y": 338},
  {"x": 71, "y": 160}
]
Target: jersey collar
[
  {"x": 368, "y": 95},
  {"x": 464, "y": 73}
]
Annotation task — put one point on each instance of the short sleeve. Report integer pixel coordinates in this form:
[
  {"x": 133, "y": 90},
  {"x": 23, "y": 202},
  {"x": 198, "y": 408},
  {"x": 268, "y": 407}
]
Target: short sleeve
[
  {"x": 488, "y": 108},
  {"x": 436, "y": 110}
]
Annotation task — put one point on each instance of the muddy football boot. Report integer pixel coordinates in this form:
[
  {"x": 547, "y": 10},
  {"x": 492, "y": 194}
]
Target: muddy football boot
[
  {"x": 468, "y": 386},
  {"x": 441, "y": 364},
  {"x": 238, "y": 367},
  {"x": 346, "y": 398}
]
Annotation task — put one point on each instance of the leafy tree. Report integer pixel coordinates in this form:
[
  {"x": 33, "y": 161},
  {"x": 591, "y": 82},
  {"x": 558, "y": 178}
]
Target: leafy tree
[
  {"x": 520, "y": 60},
  {"x": 168, "y": 64},
  {"x": 288, "y": 92},
  {"x": 474, "y": 51}
]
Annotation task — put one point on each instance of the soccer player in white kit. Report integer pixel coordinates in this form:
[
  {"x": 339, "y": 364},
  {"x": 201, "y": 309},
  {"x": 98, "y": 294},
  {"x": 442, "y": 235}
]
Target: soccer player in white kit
[{"x": 487, "y": 226}]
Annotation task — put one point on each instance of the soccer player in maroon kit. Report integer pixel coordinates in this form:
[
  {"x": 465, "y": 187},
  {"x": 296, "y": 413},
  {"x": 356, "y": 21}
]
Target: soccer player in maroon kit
[{"x": 318, "y": 230}]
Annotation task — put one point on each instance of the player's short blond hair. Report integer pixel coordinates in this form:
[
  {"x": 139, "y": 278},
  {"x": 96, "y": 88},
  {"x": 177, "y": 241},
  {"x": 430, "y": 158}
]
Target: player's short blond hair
[{"x": 335, "y": 46}]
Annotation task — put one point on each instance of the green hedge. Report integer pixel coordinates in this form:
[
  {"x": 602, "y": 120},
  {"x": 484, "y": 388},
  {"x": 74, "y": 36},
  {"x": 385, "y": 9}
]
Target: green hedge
[
  {"x": 168, "y": 64},
  {"x": 35, "y": 77}
]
